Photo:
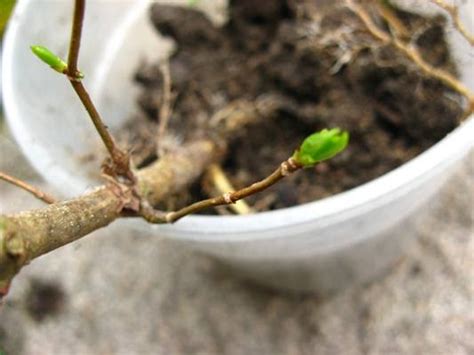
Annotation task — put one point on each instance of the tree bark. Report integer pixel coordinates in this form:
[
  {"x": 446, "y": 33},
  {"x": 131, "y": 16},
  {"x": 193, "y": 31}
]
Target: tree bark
[{"x": 27, "y": 235}]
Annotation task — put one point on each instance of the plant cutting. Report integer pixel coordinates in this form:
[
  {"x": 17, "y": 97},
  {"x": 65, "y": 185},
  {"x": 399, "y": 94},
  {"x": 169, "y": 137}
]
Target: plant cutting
[{"x": 170, "y": 172}]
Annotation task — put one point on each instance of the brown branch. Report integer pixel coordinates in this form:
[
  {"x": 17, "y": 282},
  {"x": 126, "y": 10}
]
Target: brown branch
[
  {"x": 453, "y": 12},
  {"x": 412, "y": 54},
  {"x": 27, "y": 187},
  {"x": 27, "y": 235},
  {"x": 287, "y": 167},
  {"x": 222, "y": 184},
  {"x": 175, "y": 171},
  {"x": 75, "y": 41},
  {"x": 120, "y": 159}
]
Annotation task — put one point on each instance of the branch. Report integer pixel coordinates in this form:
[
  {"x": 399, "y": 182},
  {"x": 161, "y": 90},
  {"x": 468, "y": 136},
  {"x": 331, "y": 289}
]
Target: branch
[
  {"x": 412, "y": 54},
  {"x": 222, "y": 184},
  {"x": 286, "y": 168},
  {"x": 453, "y": 12},
  {"x": 76, "y": 33},
  {"x": 120, "y": 159},
  {"x": 315, "y": 148},
  {"x": 27, "y": 187},
  {"x": 27, "y": 235}
]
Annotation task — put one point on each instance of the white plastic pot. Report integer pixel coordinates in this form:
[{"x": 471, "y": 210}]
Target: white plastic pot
[{"x": 320, "y": 246}]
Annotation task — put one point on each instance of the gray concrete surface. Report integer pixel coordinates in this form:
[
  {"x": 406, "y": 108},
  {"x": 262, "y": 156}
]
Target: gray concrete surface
[{"x": 117, "y": 293}]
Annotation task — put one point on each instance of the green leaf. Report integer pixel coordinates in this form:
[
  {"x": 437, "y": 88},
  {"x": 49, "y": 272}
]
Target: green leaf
[
  {"x": 50, "y": 58},
  {"x": 192, "y": 2},
  {"x": 321, "y": 146},
  {"x": 6, "y": 8}
]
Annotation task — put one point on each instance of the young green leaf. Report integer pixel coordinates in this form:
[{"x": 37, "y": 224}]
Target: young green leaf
[
  {"x": 50, "y": 58},
  {"x": 321, "y": 146}
]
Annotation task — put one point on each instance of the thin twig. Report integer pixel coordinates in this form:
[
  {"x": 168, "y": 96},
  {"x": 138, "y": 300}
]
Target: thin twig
[
  {"x": 286, "y": 168},
  {"x": 412, "y": 54},
  {"x": 76, "y": 33},
  {"x": 120, "y": 159},
  {"x": 223, "y": 185},
  {"x": 95, "y": 116},
  {"x": 453, "y": 12},
  {"x": 165, "y": 108},
  {"x": 27, "y": 187}
]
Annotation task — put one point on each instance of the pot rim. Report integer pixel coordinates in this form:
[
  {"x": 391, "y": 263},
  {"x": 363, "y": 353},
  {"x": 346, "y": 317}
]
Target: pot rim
[{"x": 325, "y": 212}]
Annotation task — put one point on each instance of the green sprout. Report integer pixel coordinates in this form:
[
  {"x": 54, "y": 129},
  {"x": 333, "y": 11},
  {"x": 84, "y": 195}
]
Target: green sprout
[
  {"x": 192, "y": 2},
  {"x": 321, "y": 146},
  {"x": 50, "y": 58}
]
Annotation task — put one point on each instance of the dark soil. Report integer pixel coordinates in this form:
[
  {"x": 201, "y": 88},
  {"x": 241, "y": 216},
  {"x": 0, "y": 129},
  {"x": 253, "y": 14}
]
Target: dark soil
[{"x": 327, "y": 71}]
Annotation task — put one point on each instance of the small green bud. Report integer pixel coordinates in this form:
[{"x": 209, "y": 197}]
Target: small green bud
[
  {"x": 50, "y": 58},
  {"x": 321, "y": 146}
]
